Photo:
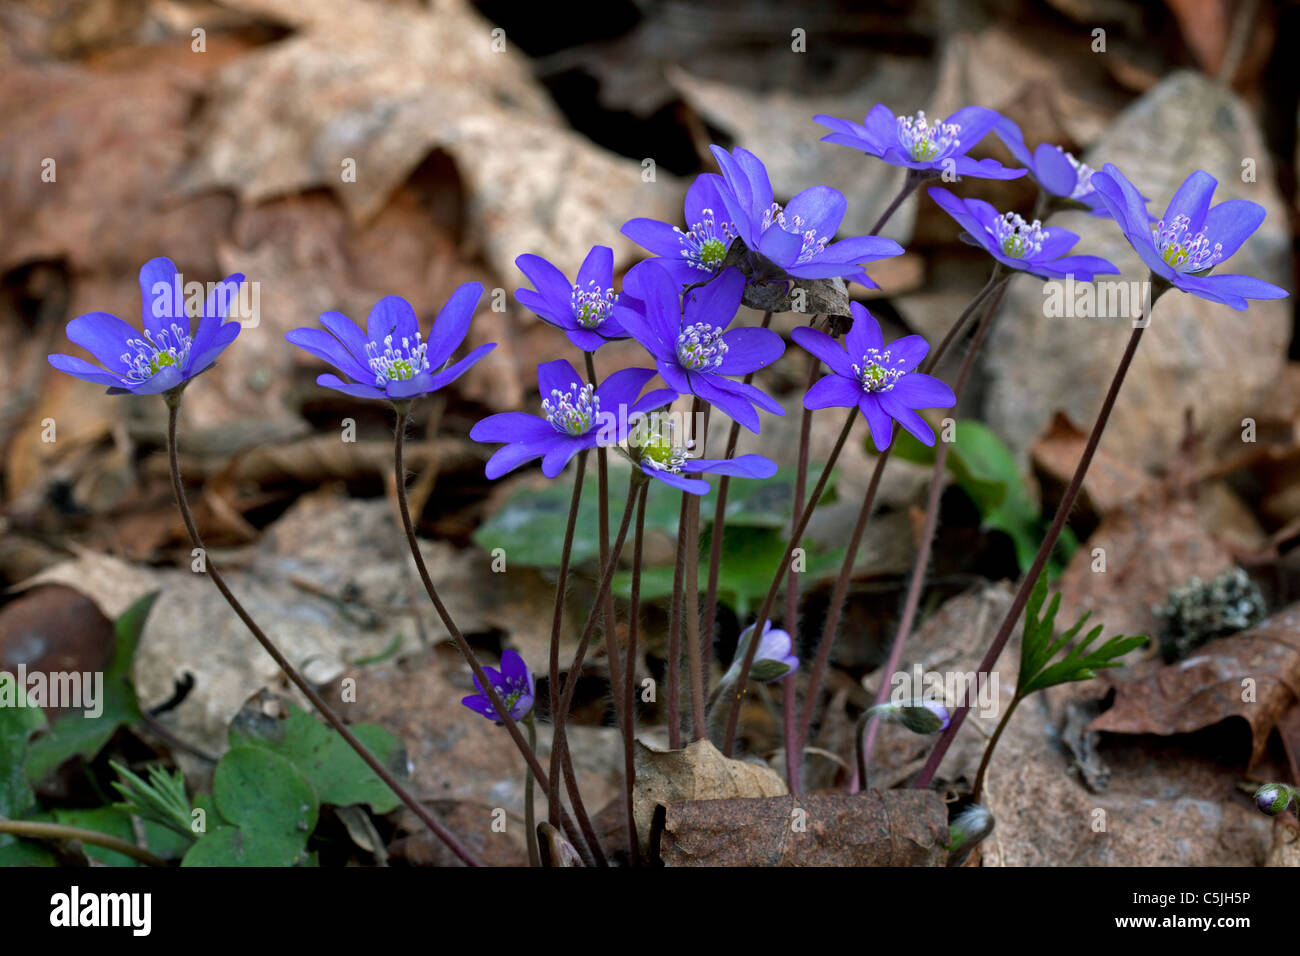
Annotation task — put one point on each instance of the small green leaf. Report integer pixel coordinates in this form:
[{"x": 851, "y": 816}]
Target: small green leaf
[
  {"x": 74, "y": 734},
  {"x": 336, "y": 773},
  {"x": 108, "y": 820}
]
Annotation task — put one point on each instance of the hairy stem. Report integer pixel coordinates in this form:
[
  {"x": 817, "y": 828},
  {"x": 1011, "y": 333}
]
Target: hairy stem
[
  {"x": 557, "y": 622},
  {"x": 629, "y": 675},
  {"x": 530, "y": 825},
  {"x": 178, "y": 488},
  {"x": 462, "y": 645},
  {"x": 733, "y": 718},
  {"x": 988, "y": 749},
  {"x": 922, "y": 561},
  {"x": 1049, "y": 541},
  {"x": 59, "y": 831},
  {"x": 675, "y": 636},
  {"x": 719, "y": 517},
  {"x": 691, "y": 573}
]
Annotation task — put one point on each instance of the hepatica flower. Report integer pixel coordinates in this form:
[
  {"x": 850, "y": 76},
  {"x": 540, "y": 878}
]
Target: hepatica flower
[
  {"x": 574, "y": 417},
  {"x": 773, "y": 660},
  {"x": 1028, "y": 246},
  {"x": 1191, "y": 239},
  {"x": 920, "y": 144},
  {"x": 391, "y": 359},
  {"x": 880, "y": 381},
  {"x": 514, "y": 682},
  {"x": 660, "y": 458},
  {"x": 584, "y": 309},
  {"x": 161, "y": 356},
  {"x": 1056, "y": 171},
  {"x": 795, "y": 240},
  {"x": 694, "y": 351},
  {"x": 695, "y": 253}
]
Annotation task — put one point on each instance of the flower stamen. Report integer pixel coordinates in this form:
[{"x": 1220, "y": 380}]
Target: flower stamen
[
  {"x": 705, "y": 244},
  {"x": 397, "y": 363},
  {"x": 574, "y": 411},
  {"x": 1181, "y": 249},
  {"x": 700, "y": 347},
  {"x": 924, "y": 142},
  {"x": 153, "y": 353},
  {"x": 592, "y": 305},
  {"x": 1018, "y": 238},
  {"x": 878, "y": 372}
]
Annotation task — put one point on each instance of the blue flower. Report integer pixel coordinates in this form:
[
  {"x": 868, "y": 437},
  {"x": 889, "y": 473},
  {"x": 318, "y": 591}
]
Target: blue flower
[
  {"x": 1191, "y": 238},
  {"x": 584, "y": 310},
  {"x": 1056, "y": 171},
  {"x": 696, "y": 253},
  {"x": 664, "y": 461},
  {"x": 162, "y": 357},
  {"x": 694, "y": 351},
  {"x": 880, "y": 381},
  {"x": 1027, "y": 246},
  {"x": 513, "y": 683},
  {"x": 575, "y": 417},
  {"x": 390, "y": 359},
  {"x": 912, "y": 142},
  {"x": 774, "y": 659},
  {"x": 794, "y": 240}
]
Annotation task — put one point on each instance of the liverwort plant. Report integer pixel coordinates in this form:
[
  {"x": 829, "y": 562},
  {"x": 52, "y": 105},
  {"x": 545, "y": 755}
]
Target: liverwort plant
[
  {"x": 1191, "y": 240},
  {"x": 914, "y": 142},
  {"x": 1064, "y": 179},
  {"x": 698, "y": 251},
  {"x": 575, "y": 418},
  {"x": 163, "y": 360},
  {"x": 694, "y": 349},
  {"x": 584, "y": 309},
  {"x": 881, "y": 382},
  {"x": 794, "y": 240},
  {"x": 166, "y": 353},
  {"x": 1027, "y": 246},
  {"x": 390, "y": 359}
]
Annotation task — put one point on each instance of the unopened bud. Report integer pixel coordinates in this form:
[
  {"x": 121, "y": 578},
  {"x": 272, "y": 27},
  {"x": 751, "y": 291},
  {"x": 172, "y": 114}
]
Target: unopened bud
[
  {"x": 968, "y": 828},
  {"x": 1274, "y": 798},
  {"x": 919, "y": 716}
]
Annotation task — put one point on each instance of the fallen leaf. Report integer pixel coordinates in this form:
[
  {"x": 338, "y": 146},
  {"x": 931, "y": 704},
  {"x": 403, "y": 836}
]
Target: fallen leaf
[
  {"x": 876, "y": 828},
  {"x": 1212, "y": 686}
]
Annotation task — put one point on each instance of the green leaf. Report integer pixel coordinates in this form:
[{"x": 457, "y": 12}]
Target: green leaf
[
  {"x": 750, "y": 556},
  {"x": 162, "y": 800},
  {"x": 530, "y": 525},
  {"x": 336, "y": 773},
  {"x": 985, "y": 468},
  {"x": 268, "y": 808},
  {"x": 17, "y": 723},
  {"x": 74, "y": 734},
  {"x": 109, "y": 820},
  {"x": 1040, "y": 644}
]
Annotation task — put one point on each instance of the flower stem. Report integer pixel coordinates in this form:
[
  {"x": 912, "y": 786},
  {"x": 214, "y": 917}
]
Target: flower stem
[
  {"x": 530, "y": 825},
  {"x": 1049, "y": 541},
  {"x": 675, "y": 636},
  {"x": 719, "y": 517},
  {"x": 59, "y": 831},
  {"x": 557, "y": 622},
  {"x": 476, "y": 667},
  {"x": 914, "y": 178},
  {"x": 839, "y": 594},
  {"x": 629, "y": 675},
  {"x": 694, "y": 652},
  {"x": 178, "y": 487},
  {"x": 769, "y": 599},
  {"x": 922, "y": 560},
  {"x": 560, "y": 715},
  {"x": 818, "y": 672},
  {"x": 988, "y": 749}
]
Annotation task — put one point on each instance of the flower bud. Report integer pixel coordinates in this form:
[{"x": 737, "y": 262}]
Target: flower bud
[
  {"x": 774, "y": 658},
  {"x": 920, "y": 716},
  {"x": 1274, "y": 798},
  {"x": 971, "y": 825}
]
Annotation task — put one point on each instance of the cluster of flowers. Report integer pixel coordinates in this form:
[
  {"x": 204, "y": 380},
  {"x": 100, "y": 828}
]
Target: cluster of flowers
[{"x": 679, "y": 305}]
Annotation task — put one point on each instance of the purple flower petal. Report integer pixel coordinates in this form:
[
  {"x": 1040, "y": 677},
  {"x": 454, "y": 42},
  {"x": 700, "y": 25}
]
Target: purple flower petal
[
  {"x": 833, "y": 391},
  {"x": 104, "y": 336},
  {"x": 1232, "y": 222},
  {"x": 329, "y": 349},
  {"x": 86, "y": 371},
  {"x": 749, "y": 349},
  {"x": 821, "y": 208},
  {"x": 818, "y": 343},
  {"x": 157, "y": 295},
  {"x": 715, "y": 303},
  {"x": 557, "y": 376},
  {"x": 329, "y": 380},
  {"x": 511, "y": 427},
  {"x": 1193, "y": 200},
  {"x": 742, "y": 466},
  {"x": 878, "y": 420},
  {"x": 906, "y": 417},
  {"x": 863, "y": 335},
  {"x": 391, "y": 315},
  {"x": 452, "y": 372},
  {"x": 598, "y": 267},
  {"x": 452, "y": 323},
  {"x": 920, "y": 391},
  {"x": 1053, "y": 171}
]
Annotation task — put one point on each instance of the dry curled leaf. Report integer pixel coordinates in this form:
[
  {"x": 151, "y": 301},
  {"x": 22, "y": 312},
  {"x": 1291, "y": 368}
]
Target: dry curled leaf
[
  {"x": 697, "y": 772},
  {"x": 1254, "y": 675},
  {"x": 876, "y": 828}
]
